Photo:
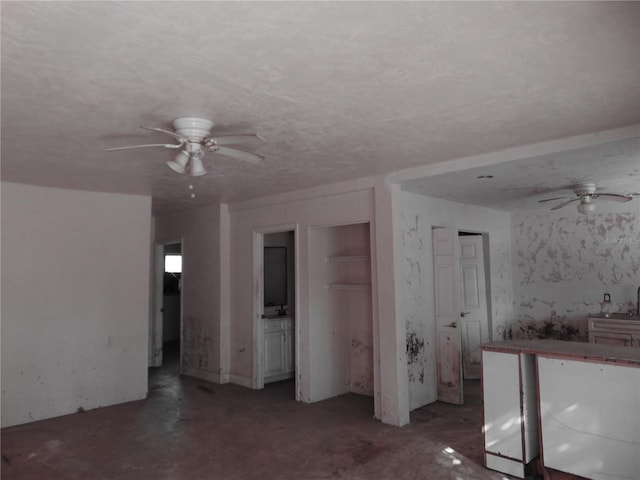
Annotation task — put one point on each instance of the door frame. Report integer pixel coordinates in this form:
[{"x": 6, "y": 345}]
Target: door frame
[
  {"x": 156, "y": 327},
  {"x": 456, "y": 280},
  {"x": 484, "y": 246},
  {"x": 257, "y": 379}
]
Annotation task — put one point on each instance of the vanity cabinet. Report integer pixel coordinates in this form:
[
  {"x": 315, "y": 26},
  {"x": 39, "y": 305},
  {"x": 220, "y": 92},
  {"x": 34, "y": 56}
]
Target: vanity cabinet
[
  {"x": 614, "y": 331},
  {"x": 278, "y": 349}
]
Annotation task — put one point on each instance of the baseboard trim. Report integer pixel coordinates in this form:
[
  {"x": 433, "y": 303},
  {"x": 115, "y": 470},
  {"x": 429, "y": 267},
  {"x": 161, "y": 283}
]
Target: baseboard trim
[
  {"x": 201, "y": 374},
  {"x": 240, "y": 380}
]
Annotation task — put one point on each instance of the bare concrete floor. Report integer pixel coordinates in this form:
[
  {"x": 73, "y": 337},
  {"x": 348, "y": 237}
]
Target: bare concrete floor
[{"x": 190, "y": 429}]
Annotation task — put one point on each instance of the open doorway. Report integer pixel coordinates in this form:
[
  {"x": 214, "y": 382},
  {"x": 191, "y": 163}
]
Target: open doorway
[
  {"x": 473, "y": 285},
  {"x": 341, "y": 338},
  {"x": 172, "y": 303},
  {"x": 166, "y": 327},
  {"x": 462, "y": 303},
  {"x": 276, "y": 331}
]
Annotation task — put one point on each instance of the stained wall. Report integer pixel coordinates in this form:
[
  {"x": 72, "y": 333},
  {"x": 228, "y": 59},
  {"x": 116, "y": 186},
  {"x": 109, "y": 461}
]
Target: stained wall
[
  {"x": 419, "y": 214},
  {"x": 564, "y": 262},
  {"x": 75, "y": 300}
]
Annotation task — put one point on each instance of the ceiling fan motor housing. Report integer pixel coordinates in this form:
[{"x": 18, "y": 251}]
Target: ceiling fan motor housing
[
  {"x": 584, "y": 189},
  {"x": 195, "y": 129}
]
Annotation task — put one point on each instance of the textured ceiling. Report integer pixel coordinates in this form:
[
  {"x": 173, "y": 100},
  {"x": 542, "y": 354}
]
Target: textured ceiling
[
  {"x": 614, "y": 167},
  {"x": 340, "y": 90}
]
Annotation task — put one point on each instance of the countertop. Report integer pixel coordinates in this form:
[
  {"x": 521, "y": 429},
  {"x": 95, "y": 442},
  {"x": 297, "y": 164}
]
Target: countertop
[
  {"x": 571, "y": 350},
  {"x": 615, "y": 316}
]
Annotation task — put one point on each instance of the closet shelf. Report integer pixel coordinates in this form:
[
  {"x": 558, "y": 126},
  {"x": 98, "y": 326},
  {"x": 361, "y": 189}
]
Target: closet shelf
[
  {"x": 348, "y": 258},
  {"x": 349, "y": 286}
]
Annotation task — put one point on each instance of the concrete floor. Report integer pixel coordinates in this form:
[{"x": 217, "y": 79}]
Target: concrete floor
[{"x": 190, "y": 429}]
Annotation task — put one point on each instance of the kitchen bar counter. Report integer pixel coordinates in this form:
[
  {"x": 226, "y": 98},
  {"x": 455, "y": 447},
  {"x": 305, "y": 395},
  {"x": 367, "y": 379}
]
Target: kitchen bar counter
[
  {"x": 576, "y": 405},
  {"x": 574, "y": 350}
]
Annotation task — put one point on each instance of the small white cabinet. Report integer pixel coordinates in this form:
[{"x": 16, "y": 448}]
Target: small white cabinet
[
  {"x": 278, "y": 349},
  {"x": 614, "y": 331}
]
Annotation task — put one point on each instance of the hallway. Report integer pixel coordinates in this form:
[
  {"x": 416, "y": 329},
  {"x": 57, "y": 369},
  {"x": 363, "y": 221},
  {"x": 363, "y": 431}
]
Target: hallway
[{"x": 191, "y": 429}]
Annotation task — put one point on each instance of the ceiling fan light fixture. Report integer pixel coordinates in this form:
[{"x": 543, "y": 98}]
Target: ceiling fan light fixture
[
  {"x": 179, "y": 164},
  {"x": 586, "y": 206},
  {"x": 197, "y": 169}
]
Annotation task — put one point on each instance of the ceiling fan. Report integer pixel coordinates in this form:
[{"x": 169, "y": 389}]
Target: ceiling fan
[
  {"x": 586, "y": 194},
  {"x": 194, "y": 138}
]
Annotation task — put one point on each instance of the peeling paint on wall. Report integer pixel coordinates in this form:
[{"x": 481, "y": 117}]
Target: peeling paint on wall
[{"x": 564, "y": 263}]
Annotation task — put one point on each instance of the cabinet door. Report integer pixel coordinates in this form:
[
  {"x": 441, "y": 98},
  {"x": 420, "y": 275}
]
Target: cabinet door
[
  {"x": 273, "y": 353},
  {"x": 589, "y": 418},
  {"x": 288, "y": 352},
  {"x": 608, "y": 338},
  {"x": 502, "y": 407}
]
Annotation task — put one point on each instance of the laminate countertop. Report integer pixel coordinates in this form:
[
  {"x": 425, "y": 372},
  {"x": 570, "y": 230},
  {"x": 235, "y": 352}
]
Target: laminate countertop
[{"x": 571, "y": 350}]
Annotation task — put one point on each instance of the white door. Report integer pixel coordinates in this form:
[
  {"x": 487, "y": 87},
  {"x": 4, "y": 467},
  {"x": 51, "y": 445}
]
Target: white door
[
  {"x": 448, "y": 342},
  {"x": 474, "y": 328}
]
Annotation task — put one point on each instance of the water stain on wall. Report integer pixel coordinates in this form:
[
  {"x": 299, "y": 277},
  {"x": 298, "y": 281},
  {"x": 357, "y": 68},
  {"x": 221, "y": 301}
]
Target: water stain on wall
[
  {"x": 563, "y": 267},
  {"x": 196, "y": 344}
]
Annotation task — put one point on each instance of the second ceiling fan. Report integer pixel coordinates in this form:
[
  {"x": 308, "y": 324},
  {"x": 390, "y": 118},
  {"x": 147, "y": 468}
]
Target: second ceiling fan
[{"x": 585, "y": 194}]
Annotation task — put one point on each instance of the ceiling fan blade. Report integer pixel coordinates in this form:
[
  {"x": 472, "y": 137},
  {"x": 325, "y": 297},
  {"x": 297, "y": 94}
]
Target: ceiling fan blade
[
  {"x": 551, "y": 199},
  {"x": 168, "y": 132},
  {"x": 233, "y": 139},
  {"x": 564, "y": 204},
  {"x": 166, "y": 145},
  {"x": 237, "y": 153},
  {"x": 613, "y": 196}
]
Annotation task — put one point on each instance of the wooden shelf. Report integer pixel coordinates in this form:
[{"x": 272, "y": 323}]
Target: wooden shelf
[
  {"x": 348, "y": 258},
  {"x": 349, "y": 286}
]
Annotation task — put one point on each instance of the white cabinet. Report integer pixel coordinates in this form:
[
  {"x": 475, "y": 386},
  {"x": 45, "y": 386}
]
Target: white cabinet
[
  {"x": 510, "y": 413},
  {"x": 587, "y": 399},
  {"x": 278, "y": 349},
  {"x": 590, "y": 420},
  {"x": 614, "y": 331}
]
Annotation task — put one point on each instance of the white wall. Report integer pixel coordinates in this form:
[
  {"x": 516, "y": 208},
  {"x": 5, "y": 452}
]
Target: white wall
[
  {"x": 564, "y": 262},
  {"x": 202, "y": 342},
  {"x": 75, "y": 298},
  {"x": 419, "y": 214}
]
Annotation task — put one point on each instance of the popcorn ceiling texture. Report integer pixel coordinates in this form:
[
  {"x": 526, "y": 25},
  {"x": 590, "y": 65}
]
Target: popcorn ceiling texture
[
  {"x": 340, "y": 90},
  {"x": 565, "y": 262}
]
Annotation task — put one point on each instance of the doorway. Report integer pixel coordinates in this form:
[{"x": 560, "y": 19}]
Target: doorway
[
  {"x": 172, "y": 303},
  {"x": 341, "y": 325},
  {"x": 166, "y": 329},
  {"x": 462, "y": 304},
  {"x": 474, "y": 314},
  {"x": 276, "y": 315}
]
